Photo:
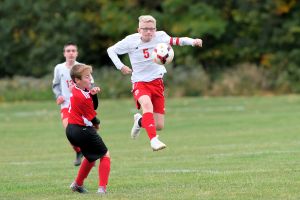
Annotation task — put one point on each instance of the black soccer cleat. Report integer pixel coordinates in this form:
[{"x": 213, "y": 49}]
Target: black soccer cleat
[{"x": 76, "y": 188}]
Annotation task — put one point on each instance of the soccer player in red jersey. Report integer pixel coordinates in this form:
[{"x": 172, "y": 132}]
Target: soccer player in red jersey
[
  {"x": 146, "y": 75},
  {"x": 82, "y": 129},
  {"x": 62, "y": 85}
]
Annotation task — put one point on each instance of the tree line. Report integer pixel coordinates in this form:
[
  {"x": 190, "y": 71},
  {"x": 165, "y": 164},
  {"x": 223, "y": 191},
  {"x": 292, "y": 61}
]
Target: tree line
[{"x": 265, "y": 33}]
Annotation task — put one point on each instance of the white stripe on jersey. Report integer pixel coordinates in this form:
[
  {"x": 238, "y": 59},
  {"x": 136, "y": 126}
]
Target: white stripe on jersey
[
  {"x": 85, "y": 94},
  {"x": 86, "y": 121}
]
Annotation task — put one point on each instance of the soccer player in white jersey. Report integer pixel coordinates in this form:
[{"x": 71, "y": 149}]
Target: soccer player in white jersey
[
  {"x": 147, "y": 76},
  {"x": 62, "y": 85}
]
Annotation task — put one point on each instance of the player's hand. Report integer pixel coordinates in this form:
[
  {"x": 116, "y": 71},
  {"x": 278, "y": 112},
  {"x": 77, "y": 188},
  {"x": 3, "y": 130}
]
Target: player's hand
[
  {"x": 60, "y": 100},
  {"x": 95, "y": 90},
  {"x": 197, "y": 42},
  {"x": 96, "y": 126},
  {"x": 126, "y": 70}
]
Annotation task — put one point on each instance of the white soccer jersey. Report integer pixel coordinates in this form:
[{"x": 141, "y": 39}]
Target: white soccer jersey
[
  {"x": 143, "y": 67},
  {"x": 62, "y": 81}
]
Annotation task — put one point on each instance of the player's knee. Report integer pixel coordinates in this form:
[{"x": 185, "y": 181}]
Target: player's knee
[
  {"x": 107, "y": 154},
  {"x": 147, "y": 107}
]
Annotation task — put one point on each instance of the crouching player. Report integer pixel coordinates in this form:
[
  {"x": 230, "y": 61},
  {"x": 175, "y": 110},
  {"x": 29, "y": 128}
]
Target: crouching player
[{"x": 82, "y": 129}]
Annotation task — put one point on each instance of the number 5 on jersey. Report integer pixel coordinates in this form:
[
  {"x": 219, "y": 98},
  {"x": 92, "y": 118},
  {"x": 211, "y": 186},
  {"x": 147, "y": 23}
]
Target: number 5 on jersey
[{"x": 146, "y": 53}]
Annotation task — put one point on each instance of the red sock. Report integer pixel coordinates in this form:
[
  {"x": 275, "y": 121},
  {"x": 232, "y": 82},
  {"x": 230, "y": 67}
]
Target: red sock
[
  {"x": 103, "y": 171},
  {"x": 149, "y": 124},
  {"x": 77, "y": 149},
  {"x": 83, "y": 171}
]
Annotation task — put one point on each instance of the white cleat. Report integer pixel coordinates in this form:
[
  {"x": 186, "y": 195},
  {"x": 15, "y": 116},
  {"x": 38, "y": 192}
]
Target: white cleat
[
  {"x": 136, "y": 129},
  {"x": 101, "y": 190},
  {"x": 156, "y": 144}
]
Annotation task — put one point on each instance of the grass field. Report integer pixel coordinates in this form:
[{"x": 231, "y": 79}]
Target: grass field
[{"x": 218, "y": 148}]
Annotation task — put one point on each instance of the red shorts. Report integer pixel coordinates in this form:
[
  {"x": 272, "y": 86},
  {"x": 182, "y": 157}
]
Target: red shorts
[
  {"x": 64, "y": 113},
  {"x": 155, "y": 90}
]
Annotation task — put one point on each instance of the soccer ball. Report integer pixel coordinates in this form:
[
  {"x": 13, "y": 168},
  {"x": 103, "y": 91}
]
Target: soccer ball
[{"x": 163, "y": 54}]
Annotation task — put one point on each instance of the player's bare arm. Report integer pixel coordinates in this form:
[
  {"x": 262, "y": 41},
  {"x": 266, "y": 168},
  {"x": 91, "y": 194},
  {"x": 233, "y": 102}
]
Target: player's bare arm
[{"x": 126, "y": 70}]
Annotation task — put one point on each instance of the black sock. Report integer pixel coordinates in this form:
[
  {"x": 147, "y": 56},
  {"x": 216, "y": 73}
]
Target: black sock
[{"x": 140, "y": 122}]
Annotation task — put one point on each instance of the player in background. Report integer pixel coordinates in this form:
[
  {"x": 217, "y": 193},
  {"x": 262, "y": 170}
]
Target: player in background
[
  {"x": 147, "y": 76},
  {"x": 62, "y": 85},
  {"x": 82, "y": 129}
]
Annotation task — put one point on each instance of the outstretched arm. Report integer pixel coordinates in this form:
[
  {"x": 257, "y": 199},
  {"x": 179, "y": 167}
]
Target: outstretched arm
[{"x": 182, "y": 41}]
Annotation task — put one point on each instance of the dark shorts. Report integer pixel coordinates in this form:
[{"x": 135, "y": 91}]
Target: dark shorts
[{"x": 87, "y": 138}]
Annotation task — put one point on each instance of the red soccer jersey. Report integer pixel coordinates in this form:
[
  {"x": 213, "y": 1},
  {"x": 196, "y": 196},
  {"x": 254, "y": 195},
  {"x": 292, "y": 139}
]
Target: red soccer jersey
[{"x": 81, "y": 108}]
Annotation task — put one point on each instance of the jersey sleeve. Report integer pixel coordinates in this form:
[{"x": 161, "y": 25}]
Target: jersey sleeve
[
  {"x": 88, "y": 110},
  {"x": 95, "y": 101},
  {"x": 119, "y": 48},
  {"x": 164, "y": 37},
  {"x": 56, "y": 83},
  {"x": 179, "y": 41},
  {"x": 183, "y": 41}
]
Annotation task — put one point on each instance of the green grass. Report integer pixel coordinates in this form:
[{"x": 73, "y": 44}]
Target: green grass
[{"x": 218, "y": 148}]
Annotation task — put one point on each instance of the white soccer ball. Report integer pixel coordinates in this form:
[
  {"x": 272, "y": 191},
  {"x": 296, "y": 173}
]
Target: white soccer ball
[{"x": 163, "y": 54}]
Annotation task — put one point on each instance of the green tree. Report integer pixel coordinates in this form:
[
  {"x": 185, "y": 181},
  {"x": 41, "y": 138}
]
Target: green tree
[{"x": 265, "y": 33}]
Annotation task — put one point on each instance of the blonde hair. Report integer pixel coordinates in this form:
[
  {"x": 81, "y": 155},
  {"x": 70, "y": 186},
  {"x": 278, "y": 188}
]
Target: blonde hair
[
  {"x": 147, "y": 18},
  {"x": 78, "y": 69}
]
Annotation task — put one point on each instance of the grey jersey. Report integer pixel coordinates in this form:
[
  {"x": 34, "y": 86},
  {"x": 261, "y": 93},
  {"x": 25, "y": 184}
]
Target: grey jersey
[{"x": 61, "y": 83}]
